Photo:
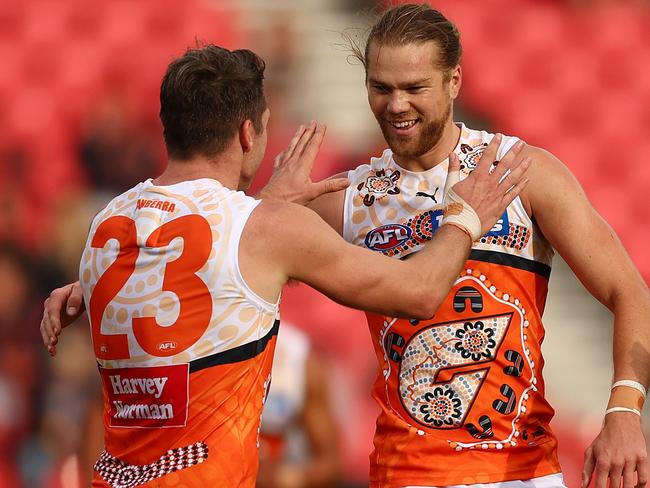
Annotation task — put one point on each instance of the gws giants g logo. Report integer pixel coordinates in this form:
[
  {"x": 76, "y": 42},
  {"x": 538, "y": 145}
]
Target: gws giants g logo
[
  {"x": 387, "y": 237},
  {"x": 465, "y": 378}
]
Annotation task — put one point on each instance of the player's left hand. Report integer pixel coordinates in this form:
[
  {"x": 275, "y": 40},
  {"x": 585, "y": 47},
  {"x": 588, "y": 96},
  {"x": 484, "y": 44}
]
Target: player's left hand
[
  {"x": 291, "y": 179},
  {"x": 60, "y": 309},
  {"x": 618, "y": 454}
]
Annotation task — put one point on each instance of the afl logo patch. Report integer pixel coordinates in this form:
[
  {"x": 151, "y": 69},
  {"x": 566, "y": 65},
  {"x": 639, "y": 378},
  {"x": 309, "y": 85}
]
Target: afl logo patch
[
  {"x": 167, "y": 346},
  {"x": 387, "y": 237}
]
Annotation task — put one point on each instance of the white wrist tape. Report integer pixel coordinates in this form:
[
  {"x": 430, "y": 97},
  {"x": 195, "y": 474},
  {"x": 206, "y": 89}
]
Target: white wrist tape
[
  {"x": 631, "y": 384},
  {"x": 622, "y": 409},
  {"x": 458, "y": 212}
]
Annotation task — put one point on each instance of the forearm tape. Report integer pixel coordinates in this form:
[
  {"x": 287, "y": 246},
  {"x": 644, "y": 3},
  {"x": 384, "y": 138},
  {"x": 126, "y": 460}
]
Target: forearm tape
[{"x": 626, "y": 397}]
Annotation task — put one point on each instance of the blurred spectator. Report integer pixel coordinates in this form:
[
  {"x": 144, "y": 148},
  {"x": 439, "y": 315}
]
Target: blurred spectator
[
  {"x": 50, "y": 457},
  {"x": 21, "y": 372},
  {"x": 15, "y": 166},
  {"x": 278, "y": 45},
  {"x": 115, "y": 152},
  {"x": 299, "y": 445}
]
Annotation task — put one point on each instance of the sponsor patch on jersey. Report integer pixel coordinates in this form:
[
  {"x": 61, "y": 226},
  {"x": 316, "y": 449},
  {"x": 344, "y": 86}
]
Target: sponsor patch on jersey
[
  {"x": 436, "y": 220},
  {"x": 501, "y": 228},
  {"x": 150, "y": 397},
  {"x": 387, "y": 237}
]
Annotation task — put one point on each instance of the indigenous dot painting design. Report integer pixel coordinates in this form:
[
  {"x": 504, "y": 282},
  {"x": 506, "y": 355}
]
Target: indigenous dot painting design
[
  {"x": 470, "y": 156},
  {"x": 433, "y": 389},
  {"x": 378, "y": 185},
  {"x": 119, "y": 474},
  {"x": 517, "y": 238},
  {"x": 422, "y": 229},
  {"x": 476, "y": 341},
  {"x": 445, "y": 346}
]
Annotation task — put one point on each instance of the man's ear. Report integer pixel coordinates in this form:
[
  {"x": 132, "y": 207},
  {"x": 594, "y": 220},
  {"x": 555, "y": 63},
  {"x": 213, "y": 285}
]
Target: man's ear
[
  {"x": 455, "y": 82},
  {"x": 246, "y": 131}
]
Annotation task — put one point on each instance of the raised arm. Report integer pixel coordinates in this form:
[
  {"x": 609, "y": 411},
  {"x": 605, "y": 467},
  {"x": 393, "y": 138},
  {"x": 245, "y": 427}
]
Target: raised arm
[
  {"x": 597, "y": 257},
  {"x": 287, "y": 241}
]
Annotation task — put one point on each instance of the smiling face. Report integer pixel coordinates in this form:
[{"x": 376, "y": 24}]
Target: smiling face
[{"x": 410, "y": 96}]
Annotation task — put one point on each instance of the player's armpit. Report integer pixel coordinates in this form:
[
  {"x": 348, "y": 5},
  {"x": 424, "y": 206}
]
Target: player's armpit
[{"x": 330, "y": 206}]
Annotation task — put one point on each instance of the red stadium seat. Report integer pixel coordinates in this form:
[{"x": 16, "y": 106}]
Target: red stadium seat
[
  {"x": 13, "y": 20},
  {"x": 46, "y": 20}
]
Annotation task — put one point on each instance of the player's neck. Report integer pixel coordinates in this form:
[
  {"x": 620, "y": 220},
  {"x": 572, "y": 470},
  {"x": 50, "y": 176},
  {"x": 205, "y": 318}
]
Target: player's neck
[
  {"x": 437, "y": 154},
  {"x": 225, "y": 169}
]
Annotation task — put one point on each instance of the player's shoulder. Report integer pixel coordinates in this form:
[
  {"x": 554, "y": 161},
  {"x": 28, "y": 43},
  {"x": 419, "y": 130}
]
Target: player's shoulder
[
  {"x": 276, "y": 230},
  {"x": 373, "y": 165},
  {"x": 550, "y": 182},
  {"x": 545, "y": 165},
  {"x": 119, "y": 204},
  {"x": 474, "y": 140},
  {"x": 543, "y": 160},
  {"x": 272, "y": 216}
]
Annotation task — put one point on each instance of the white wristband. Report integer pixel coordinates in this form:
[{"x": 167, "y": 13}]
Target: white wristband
[
  {"x": 631, "y": 384},
  {"x": 622, "y": 409}
]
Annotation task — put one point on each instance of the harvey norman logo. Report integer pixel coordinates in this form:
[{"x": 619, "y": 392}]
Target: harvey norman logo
[
  {"x": 138, "y": 386},
  {"x": 147, "y": 397}
]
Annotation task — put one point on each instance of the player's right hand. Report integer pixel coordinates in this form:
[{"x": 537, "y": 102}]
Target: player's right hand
[
  {"x": 489, "y": 190},
  {"x": 291, "y": 179},
  {"x": 61, "y": 308}
]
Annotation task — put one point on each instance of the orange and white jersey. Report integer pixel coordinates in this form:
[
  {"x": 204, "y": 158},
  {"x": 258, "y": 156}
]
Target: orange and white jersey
[
  {"x": 184, "y": 346},
  {"x": 461, "y": 395}
]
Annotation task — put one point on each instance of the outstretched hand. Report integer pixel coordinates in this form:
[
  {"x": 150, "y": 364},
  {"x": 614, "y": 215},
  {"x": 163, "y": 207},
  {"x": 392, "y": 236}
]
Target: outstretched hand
[
  {"x": 61, "y": 308},
  {"x": 489, "y": 190},
  {"x": 291, "y": 179}
]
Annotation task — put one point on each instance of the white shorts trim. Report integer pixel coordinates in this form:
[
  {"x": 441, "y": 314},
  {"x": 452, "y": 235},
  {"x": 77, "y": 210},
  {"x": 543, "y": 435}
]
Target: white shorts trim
[{"x": 551, "y": 481}]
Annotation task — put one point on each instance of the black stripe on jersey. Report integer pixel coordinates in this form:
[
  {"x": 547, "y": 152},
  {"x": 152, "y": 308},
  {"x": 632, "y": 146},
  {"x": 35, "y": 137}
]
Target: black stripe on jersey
[
  {"x": 237, "y": 354},
  {"x": 505, "y": 259}
]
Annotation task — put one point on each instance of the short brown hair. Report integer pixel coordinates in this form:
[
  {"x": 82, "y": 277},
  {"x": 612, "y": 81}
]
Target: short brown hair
[
  {"x": 205, "y": 96},
  {"x": 415, "y": 23}
]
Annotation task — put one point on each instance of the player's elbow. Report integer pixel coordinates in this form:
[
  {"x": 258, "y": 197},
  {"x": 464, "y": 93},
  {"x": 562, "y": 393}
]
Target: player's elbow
[{"x": 422, "y": 304}]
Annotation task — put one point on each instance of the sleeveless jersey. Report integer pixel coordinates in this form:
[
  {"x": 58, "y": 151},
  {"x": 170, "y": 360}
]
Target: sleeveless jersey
[
  {"x": 461, "y": 395},
  {"x": 184, "y": 346}
]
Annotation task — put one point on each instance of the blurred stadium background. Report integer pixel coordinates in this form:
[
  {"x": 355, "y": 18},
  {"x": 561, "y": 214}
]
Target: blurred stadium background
[{"x": 78, "y": 123}]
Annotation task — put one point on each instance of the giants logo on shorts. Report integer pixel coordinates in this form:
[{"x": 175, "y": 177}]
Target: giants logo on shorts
[
  {"x": 387, "y": 237},
  {"x": 150, "y": 397}
]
